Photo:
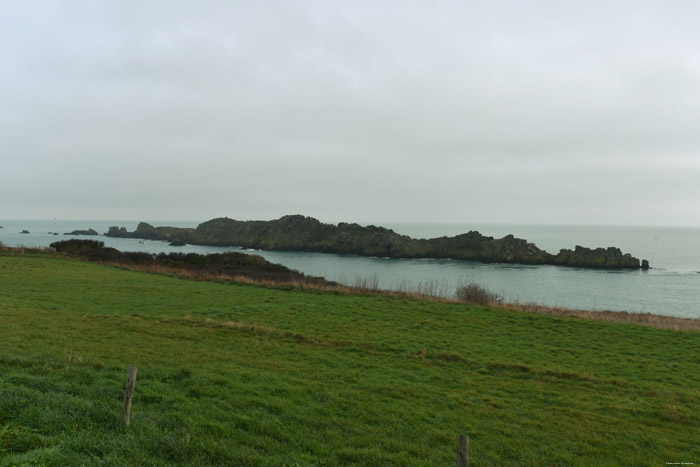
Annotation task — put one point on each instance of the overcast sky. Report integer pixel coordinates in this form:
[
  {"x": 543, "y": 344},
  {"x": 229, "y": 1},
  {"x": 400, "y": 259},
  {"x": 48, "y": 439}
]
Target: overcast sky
[{"x": 558, "y": 112}]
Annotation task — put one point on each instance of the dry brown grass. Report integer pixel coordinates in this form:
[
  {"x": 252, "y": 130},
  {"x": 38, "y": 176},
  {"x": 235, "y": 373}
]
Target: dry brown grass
[
  {"x": 643, "y": 319},
  {"x": 363, "y": 288}
]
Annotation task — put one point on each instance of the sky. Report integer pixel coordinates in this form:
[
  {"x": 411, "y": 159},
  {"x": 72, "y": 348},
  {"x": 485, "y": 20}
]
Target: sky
[{"x": 506, "y": 111}]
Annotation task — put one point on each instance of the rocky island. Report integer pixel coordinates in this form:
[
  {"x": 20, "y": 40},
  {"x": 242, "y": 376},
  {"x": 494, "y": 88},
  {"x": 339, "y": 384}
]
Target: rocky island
[
  {"x": 301, "y": 233},
  {"x": 83, "y": 232}
]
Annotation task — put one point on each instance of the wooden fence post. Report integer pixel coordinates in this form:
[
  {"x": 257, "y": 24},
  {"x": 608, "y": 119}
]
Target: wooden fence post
[
  {"x": 463, "y": 451},
  {"x": 129, "y": 393}
]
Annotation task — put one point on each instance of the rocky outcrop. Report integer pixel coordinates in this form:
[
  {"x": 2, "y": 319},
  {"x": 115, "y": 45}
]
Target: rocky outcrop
[
  {"x": 476, "y": 247},
  {"x": 119, "y": 232},
  {"x": 148, "y": 232},
  {"x": 300, "y": 233},
  {"x": 83, "y": 232},
  {"x": 600, "y": 258}
]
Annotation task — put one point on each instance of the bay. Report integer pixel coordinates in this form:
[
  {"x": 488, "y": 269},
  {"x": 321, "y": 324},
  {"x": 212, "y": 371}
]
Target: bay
[{"x": 671, "y": 287}]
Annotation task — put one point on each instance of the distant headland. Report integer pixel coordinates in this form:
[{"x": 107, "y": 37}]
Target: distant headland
[{"x": 301, "y": 233}]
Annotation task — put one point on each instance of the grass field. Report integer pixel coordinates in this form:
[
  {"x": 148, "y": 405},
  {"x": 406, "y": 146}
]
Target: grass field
[{"x": 232, "y": 374}]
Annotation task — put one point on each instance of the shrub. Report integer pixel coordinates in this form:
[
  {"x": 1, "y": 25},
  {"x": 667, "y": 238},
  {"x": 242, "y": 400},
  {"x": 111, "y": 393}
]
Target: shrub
[
  {"x": 477, "y": 295},
  {"x": 76, "y": 246},
  {"x": 231, "y": 264}
]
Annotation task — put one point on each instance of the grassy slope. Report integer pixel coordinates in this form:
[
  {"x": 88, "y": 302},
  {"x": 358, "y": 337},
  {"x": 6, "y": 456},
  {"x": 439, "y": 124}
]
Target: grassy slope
[{"x": 257, "y": 376}]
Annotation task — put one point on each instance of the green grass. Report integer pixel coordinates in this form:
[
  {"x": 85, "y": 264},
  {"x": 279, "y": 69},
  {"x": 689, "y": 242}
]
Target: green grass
[{"x": 243, "y": 375}]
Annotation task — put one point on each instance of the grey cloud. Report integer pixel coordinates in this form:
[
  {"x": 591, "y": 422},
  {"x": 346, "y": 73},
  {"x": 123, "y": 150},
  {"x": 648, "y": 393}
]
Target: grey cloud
[{"x": 401, "y": 111}]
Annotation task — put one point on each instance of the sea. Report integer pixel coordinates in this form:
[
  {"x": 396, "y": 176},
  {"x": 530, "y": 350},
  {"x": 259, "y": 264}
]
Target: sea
[{"x": 671, "y": 287}]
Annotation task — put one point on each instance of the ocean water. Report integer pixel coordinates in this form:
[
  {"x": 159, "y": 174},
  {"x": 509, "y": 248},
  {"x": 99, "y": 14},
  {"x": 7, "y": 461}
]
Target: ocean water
[{"x": 671, "y": 287}]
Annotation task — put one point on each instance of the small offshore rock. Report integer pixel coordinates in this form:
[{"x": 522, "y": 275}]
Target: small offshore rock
[{"x": 82, "y": 232}]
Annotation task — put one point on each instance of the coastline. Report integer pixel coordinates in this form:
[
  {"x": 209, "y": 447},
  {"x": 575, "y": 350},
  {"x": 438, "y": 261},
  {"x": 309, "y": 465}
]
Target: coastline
[
  {"x": 670, "y": 288},
  {"x": 306, "y": 234},
  {"x": 370, "y": 287}
]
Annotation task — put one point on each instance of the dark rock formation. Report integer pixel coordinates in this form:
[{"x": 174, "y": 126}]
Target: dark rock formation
[
  {"x": 476, "y": 247},
  {"x": 148, "y": 232},
  {"x": 119, "y": 232},
  {"x": 83, "y": 232},
  {"x": 24, "y": 232},
  {"x": 601, "y": 258},
  {"x": 300, "y": 233}
]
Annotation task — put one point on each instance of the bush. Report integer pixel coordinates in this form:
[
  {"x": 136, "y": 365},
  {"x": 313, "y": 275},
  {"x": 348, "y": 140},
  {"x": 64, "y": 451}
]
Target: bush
[
  {"x": 76, "y": 246},
  {"x": 229, "y": 264},
  {"x": 477, "y": 295}
]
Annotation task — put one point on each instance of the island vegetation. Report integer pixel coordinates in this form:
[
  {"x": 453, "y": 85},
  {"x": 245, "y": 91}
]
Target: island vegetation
[
  {"x": 241, "y": 373},
  {"x": 300, "y": 233},
  {"x": 229, "y": 264}
]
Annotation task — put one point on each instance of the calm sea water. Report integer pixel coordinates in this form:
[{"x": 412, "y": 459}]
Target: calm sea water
[{"x": 671, "y": 287}]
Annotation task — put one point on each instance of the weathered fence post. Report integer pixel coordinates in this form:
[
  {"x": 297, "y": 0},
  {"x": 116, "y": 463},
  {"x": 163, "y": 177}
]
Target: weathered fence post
[
  {"x": 129, "y": 393},
  {"x": 463, "y": 451}
]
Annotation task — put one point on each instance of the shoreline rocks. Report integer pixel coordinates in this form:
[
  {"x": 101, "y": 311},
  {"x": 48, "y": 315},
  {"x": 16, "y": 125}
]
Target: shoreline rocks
[
  {"x": 599, "y": 258},
  {"x": 300, "y": 233}
]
